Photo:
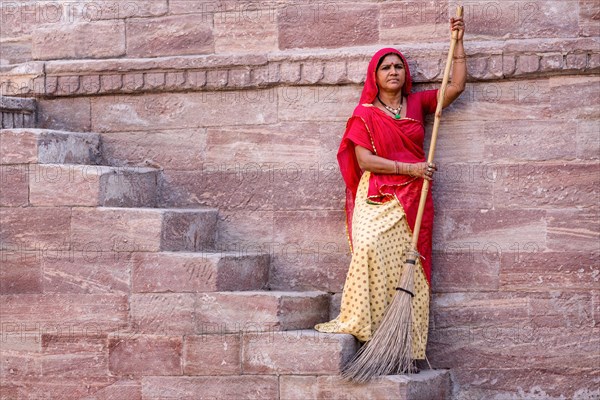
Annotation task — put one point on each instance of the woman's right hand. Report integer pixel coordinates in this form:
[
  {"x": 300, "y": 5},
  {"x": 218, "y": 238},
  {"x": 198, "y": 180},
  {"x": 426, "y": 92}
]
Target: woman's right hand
[{"x": 422, "y": 170}]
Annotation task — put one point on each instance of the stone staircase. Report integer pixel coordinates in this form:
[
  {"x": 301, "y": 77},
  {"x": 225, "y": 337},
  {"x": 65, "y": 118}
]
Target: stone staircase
[{"x": 106, "y": 296}]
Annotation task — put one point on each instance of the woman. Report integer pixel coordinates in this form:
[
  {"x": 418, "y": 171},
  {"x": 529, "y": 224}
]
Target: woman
[{"x": 382, "y": 161}]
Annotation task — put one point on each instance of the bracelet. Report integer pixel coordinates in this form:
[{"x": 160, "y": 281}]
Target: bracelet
[
  {"x": 459, "y": 61},
  {"x": 397, "y": 167},
  {"x": 460, "y": 56}
]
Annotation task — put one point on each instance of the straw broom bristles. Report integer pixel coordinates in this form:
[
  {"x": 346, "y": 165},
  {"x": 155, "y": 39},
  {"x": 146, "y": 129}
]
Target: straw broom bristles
[{"x": 389, "y": 351}]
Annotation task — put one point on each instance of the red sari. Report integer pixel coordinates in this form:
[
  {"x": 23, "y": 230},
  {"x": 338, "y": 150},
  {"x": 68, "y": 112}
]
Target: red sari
[{"x": 400, "y": 140}]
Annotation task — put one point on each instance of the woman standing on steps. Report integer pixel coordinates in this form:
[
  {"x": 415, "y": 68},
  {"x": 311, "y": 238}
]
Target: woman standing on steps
[{"x": 382, "y": 161}]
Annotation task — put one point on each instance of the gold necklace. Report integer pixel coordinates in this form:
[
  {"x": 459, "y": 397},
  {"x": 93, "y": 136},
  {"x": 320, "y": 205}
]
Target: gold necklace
[{"x": 395, "y": 111}]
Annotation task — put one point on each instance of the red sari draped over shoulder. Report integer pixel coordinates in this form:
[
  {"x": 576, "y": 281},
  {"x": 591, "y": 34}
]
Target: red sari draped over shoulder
[{"x": 401, "y": 140}]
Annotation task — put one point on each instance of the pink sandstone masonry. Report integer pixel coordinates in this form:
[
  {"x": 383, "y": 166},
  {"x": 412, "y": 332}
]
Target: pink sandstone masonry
[{"x": 171, "y": 212}]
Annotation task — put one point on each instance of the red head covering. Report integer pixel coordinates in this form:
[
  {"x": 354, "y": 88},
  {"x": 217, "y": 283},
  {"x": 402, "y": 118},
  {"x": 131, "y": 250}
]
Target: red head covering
[{"x": 370, "y": 89}]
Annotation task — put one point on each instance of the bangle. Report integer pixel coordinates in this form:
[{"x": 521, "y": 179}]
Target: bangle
[
  {"x": 397, "y": 167},
  {"x": 460, "y": 56},
  {"x": 459, "y": 61}
]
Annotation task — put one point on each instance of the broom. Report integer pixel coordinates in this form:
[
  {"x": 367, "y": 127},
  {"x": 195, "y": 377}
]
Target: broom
[{"x": 389, "y": 351}]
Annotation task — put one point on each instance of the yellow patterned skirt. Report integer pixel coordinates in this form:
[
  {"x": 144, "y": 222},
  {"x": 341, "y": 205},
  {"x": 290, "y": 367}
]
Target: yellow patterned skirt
[{"x": 380, "y": 237}]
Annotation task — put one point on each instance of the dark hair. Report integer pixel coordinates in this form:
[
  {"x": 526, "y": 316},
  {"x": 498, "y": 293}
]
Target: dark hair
[{"x": 384, "y": 56}]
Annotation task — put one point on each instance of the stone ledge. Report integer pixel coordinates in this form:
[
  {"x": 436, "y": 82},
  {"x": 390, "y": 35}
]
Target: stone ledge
[
  {"x": 487, "y": 61},
  {"x": 17, "y": 112}
]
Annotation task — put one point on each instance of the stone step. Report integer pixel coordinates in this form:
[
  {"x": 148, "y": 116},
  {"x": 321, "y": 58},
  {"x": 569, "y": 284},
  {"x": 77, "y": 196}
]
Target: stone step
[
  {"x": 199, "y": 272},
  {"x": 92, "y": 185},
  {"x": 220, "y": 313},
  {"x": 43, "y": 146},
  {"x": 300, "y": 352},
  {"x": 426, "y": 385},
  {"x": 109, "y": 229}
]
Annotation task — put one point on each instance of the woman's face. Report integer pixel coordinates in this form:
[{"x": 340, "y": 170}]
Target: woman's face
[{"x": 391, "y": 74}]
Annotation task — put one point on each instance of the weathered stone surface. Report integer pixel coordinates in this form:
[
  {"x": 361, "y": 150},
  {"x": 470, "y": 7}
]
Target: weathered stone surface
[
  {"x": 15, "y": 185},
  {"x": 426, "y": 385},
  {"x": 588, "y": 18},
  {"x": 87, "y": 271},
  {"x": 145, "y": 355},
  {"x": 556, "y": 311},
  {"x": 304, "y": 103},
  {"x": 588, "y": 140},
  {"x": 131, "y": 230},
  {"x": 484, "y": 101},
  {"x": 576, "y": 61},
  {"x": 493, "y": 231},
  {"x": 527, "y": 64},
  {"x": 300, "y": 147},
  {"x": 464, "y": 310},
  {"x": 122, "y": 389},
  {"x": 327, "y": 25},
  {"x": 68, "y": 114},
  {"x": 305, "y": 262},
  {"x": 17, "y": 104},
  {"x": 239, "y": 77},
  {"x": 334, "y": 73},
  {"x": 574, "y": 230},
  {"x": 63, "y": 313},
  {"x": 413, "y": 21},
  {"x": 199, "y": 272},
  {"x": 130, "y": 9},
  {"x": 465, "y": 268},
  {"x": 247, "y": 387},
  {"x": 172, "y": 35},
  {"x": 259, "y": 311},
  {"x": 217, "y": 79},
  {"x": 189, "y": 230},
  {"x": 74, "y": 356},
  {"x": 20, "y": 271},
  {"x": 68, "y": 85},
  {"x": 177, "y": 150},
  {"x": 335, "y": 305},
  {"x": 583, "y": 106},
  {"x": 503, "y": 346},
  {"x": 15, "y": 119},
  {"x": 528, "y": 140},
  {"x": 22, "y": 18},
  {"x": 530, "y": 383},
  {"x": 124, "y": 113},
  {"x": 212, "y": 355},
  {"x": 113, "y": 230},
  {"x": 515, "y": 19},
  {"x": 296, "y": 352},
  {"x": 20, "y": 355},
  {"x": 462, "y": 186},
  {"x": 245, "y": 231},
  {"x": 310, "y": 268},
  {"x": 531, "y": 269},
  {"x": 25, "y": 146},
  {"x": 92, "y": 185},
  {"x": 39, "y": 229},
  {"x": 163, "y": 314},
  {"x": 15, "y": 52},
  {"x": 311, "y": 73},
  {"x": 59, "y": 387},
  {"x": 226, "y": 186},
  {"x": 290, "y": 72},
  {"x": 548, "y": 185},
  {"x": 101, "y": 39},
  {"x": 247, "y": 30}
]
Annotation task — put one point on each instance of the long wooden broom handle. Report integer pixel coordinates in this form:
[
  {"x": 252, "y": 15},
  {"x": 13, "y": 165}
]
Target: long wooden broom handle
[{"x": 436, "y": 127}]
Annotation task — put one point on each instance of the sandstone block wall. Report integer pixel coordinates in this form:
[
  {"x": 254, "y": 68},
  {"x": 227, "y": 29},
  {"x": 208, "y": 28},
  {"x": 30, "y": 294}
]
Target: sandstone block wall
[{"x": 242, "y": 104}]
